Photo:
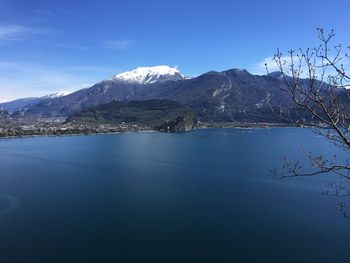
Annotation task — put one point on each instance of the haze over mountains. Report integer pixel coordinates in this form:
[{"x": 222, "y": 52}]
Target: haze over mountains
[
  {"x": 234, "y": 95},
  {"x": 17, "y": 105}
]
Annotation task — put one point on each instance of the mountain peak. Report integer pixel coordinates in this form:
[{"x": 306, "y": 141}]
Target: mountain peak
[
  {"x": 149, "y": 75},
  {"x": 237, "y": 71},
  {"x": 56, "y": 95}
]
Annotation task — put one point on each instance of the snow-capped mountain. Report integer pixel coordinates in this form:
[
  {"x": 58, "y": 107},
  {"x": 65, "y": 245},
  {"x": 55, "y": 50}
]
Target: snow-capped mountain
[
  {"x": 150, "y": 75},
  {"x": 19, "y": 104},
  {"x": 56, "y": 95},
  {"x": 231, "y": 95}
]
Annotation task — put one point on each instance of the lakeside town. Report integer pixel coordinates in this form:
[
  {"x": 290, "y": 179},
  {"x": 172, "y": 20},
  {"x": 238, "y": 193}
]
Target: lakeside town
[{"x": 57, "y": 126}]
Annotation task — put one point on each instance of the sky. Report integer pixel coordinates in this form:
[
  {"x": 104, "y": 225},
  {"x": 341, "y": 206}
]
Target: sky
[{"x": 56, "y": 46}]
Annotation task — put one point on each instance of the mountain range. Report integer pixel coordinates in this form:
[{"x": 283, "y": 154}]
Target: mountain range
[
  {"x": 233, "y": 95},
  {"x": 19, "y": 104}
]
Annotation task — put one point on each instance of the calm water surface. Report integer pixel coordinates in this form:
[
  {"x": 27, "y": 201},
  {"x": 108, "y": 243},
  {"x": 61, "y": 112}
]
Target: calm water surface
[{"x": 202, "y": 196}]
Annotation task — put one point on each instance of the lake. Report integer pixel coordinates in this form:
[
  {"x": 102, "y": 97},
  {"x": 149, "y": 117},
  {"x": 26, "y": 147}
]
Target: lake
[{"x": 201, "y": 196}]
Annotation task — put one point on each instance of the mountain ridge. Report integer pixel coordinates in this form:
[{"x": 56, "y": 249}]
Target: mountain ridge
[
  {"x": 233, "y": 95},
  {"x": 18, "y": 104}
]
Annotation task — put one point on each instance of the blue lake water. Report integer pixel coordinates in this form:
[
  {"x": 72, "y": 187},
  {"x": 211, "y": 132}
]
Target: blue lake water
[{"x": 201, "y": 196}]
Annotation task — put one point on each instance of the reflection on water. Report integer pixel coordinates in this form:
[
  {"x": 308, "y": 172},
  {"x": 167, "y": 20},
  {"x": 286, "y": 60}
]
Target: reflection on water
[{"x": 202, "y": 196}]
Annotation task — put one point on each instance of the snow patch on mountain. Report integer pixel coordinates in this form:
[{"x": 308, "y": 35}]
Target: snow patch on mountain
[
  {"x": 149, "y": 75},
  {"x": 19, "y": 104},
  {"x": 57, "y": 95}
]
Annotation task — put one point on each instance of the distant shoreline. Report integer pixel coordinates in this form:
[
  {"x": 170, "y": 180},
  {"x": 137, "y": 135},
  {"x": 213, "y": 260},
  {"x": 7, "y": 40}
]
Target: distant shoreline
[
  {"x": 245, "y": 125},
  {"x": 200, "y": 126}
]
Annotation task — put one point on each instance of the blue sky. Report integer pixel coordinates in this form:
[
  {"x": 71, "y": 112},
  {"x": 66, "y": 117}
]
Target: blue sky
[{"x": 49, "y": 46}]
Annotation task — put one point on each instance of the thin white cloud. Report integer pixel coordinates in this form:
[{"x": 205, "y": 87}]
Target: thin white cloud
[
  {"x": 73, "y": 47},
  {"x": 19, "y": 80},
  {"x": 13, "y": 32},
  {"x": 260, "y": 67},
  {"x": 119, "y": 44},
  {"x": 43, "y": 12},
  {"x": 90, "y": 68},
  {"x": 54, "y": 12}
]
